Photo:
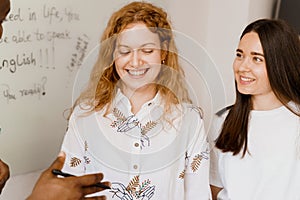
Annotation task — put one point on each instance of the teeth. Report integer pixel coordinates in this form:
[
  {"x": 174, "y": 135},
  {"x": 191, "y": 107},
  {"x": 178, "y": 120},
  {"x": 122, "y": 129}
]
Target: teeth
[
  {"x": 137, "y": 72},
  {"x": 246, "y": 79}
]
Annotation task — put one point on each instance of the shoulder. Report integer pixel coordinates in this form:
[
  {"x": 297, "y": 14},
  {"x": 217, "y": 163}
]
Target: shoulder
[
  {"x": 186, "y": 113},
  {"x": 192, "y": 110},
  {"x": 81, "y": 111},
  {"x": 220, "y": 116},
  {"x": 224, "y": 111},
  {"x": 294, "y": 106},
  {"x": 217, "y": 123}
]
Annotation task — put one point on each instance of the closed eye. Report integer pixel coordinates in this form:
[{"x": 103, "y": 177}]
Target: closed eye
[
  {"x": 123, "y": 51},
  {"x": 147, "y": 50}
]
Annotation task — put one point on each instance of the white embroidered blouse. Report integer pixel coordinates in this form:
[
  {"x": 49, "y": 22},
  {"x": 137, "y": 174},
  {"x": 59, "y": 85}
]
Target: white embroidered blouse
[{"x": 142, "y": 155}]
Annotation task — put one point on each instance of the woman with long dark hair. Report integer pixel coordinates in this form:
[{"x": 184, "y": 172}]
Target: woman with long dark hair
[{"x": 256, "y": 153}]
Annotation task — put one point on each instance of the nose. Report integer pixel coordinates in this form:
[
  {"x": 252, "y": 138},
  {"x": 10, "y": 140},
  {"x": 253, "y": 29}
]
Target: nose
[
  {"x": 244, "y": 65},
  {"x": 135, "y": 61}
]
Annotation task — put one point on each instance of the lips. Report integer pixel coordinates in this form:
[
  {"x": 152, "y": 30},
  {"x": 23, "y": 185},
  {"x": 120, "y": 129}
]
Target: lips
[{"x": 246, "y": 80}]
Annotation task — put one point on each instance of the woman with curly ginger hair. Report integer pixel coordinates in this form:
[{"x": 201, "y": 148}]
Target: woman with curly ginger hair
[{"x": 135, "y": 121}]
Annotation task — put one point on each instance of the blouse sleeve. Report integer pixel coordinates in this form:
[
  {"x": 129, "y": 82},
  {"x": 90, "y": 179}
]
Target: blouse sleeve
[
  {"x": 73, "y": 146},
  {"x": 197, "y": 166}
]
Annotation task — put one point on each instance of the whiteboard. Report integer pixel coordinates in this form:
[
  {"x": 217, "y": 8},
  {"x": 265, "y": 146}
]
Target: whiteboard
[{"x": 43, "y": 45}]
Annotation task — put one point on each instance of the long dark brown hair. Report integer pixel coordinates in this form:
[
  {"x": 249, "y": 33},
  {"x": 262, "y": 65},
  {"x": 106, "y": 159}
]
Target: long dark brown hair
[{"x": 281, "y": 48}]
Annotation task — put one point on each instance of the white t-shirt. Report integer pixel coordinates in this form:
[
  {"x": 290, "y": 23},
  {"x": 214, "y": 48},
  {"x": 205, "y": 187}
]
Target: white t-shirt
[
  {"x": 143, "y": 156},
  {"x": 271, "y": 169}
]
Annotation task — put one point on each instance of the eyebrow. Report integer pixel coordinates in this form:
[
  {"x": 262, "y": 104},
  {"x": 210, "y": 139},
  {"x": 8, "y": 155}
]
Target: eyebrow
[
  {"x": 252, "y": 53},
  {"x": 146, "y": 44}
]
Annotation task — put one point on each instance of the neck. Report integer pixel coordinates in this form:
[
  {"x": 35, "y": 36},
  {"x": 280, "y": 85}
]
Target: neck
[
  {"x": 267, "y": 102},
  {"x": 140, "y": 96}
]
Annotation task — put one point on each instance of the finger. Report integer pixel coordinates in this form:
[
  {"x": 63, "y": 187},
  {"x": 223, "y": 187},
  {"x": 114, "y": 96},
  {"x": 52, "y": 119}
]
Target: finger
[
  {"x": 4, "y": 174},
  {"x": 4, "y": 171},
  {"x": 89, "y": 179},
  {"x": 59, "y": 161},
  {"x": 92, "y": 189}
]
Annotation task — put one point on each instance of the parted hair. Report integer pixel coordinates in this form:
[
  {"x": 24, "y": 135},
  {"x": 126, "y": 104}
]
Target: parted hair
[{"x": 281, "y": 48}]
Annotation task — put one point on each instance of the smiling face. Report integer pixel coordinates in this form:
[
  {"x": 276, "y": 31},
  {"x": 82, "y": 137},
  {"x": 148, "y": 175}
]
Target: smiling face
[
  {"x": 137, "y": 58},
  {"x": 4, "y": 9},
  {"x": 250, "y": 68}
]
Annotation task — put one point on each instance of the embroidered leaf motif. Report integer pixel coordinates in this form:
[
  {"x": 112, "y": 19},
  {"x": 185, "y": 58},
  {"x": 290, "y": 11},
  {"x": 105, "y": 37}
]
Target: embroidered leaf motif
[
  {"x": 145, "y": 191},
  {"x": 120, "y": 117},
  {"x": 144, "y": 186},
  {"x": 181, "y": 175},
  {"x": 196, "y": 162},
  {"x": 124, "y": 124},
  {"x": 86, "y": 146},
  {"x": 147, "y": 127},
  {"x": 145, "y": 183},
  {"x": 75, "y": 162},
  {"x": 118, "y": 114},
  {"x": 133, "y": 185}
]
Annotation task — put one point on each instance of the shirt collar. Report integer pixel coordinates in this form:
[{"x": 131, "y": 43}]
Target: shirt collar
[{"x": 122, "y": 99}]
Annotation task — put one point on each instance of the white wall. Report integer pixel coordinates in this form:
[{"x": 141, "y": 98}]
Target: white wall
[
  {"x": 214, "y": 24},
  {"x": 217, "y": 25}
]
